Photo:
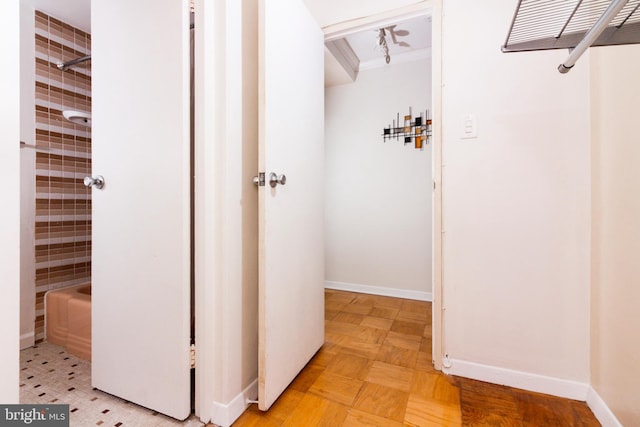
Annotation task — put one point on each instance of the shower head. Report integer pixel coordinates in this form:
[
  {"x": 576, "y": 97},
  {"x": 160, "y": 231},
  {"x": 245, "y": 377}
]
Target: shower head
[{"x": 78, "y": 117}]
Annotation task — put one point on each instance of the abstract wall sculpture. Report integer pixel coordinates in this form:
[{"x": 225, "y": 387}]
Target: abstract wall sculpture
[{"x": 411, "y": 130}]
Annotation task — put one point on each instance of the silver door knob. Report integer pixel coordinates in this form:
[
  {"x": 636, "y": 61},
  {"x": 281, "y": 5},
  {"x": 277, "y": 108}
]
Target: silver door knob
[
  {"x": 274, "y": 180},
  {"x": 97, "y": 182}
]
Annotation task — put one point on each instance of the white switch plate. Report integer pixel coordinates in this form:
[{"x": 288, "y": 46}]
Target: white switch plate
[{"x": 469, "y": 126}]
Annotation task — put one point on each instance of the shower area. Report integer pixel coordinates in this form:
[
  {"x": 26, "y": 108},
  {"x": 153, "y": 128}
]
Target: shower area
[
  {"x": 56, "y": 156},
  {"x": 56, "y": 179}
]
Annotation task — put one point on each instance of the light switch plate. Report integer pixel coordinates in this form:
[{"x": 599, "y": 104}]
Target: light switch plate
[{"x": 469, "y": 126}]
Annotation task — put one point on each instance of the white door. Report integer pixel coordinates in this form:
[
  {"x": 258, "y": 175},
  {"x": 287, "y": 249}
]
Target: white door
[
  {"x": 291, "y": 215},
  {"x": 141, "y": 217}
]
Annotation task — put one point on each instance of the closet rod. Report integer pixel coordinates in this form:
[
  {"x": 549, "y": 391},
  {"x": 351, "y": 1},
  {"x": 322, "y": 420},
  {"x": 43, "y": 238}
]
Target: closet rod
[{"x": 601, "y": 24}]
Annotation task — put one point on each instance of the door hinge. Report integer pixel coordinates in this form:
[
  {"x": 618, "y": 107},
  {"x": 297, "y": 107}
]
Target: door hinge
[
  {"x": 192, "y": 356},
  {"x": 259, "y": 180}
]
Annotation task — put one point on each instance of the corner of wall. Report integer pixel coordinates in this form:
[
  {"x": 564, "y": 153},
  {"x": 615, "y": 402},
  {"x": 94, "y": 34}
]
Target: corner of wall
[
  {"x": 615, "y": 233},
  {"x": 224, "y": 415},
  {"x": 601, "y": 410}
]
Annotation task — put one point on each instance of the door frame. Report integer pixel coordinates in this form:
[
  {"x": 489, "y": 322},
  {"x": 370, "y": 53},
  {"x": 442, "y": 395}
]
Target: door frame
[
  {"x": 206, "y": 222},
  {"x": 434, "y": 9},
  {"x": 10, "y": 23}
]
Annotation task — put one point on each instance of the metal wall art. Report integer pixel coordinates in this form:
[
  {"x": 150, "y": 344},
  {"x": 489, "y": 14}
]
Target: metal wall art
[{"x": 411, "y": 130}]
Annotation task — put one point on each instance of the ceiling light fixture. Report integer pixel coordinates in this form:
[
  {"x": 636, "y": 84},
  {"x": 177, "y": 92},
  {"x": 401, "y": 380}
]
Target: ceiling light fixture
[
  {"x": 397, "y": 33},
  {"x": 382, "y": 44}
]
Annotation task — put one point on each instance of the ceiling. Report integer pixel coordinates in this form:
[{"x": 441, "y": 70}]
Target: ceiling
[
  {"x": 407, "y": 40},
  {"x": 76, "y": 13},
  {"x": 402, "y": 38}
]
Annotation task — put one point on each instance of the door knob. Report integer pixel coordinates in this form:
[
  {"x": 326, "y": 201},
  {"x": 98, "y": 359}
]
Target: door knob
[
  {"x": 274, "y": 180},
  {"x": 97, "y": 182}
]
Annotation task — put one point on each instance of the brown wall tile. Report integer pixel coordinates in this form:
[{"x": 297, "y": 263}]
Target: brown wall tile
[{"x": 60, "y": 195}]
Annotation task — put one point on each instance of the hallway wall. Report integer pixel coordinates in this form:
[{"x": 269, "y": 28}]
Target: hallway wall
[
  {"x": 516, "y": 204},
  {"x": 377, "y": 194},
  {"x": 10, "y": 213},
  {"x": 615, "y": 230}
]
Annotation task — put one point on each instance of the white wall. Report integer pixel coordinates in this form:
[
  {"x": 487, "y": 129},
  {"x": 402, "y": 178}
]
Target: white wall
[
  {"x": 516, "y": 200},
  {"x": 226, "y": 208},
  {"x": 378, "y": 195},
  {"x": 10, "y": 213},
  {"x": 615, "y": 272},
  {"x": 27, "y": 177}
]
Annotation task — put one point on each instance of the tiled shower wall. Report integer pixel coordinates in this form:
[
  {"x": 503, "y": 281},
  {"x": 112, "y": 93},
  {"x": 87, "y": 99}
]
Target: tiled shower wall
[{"x": 63, "y": 159}]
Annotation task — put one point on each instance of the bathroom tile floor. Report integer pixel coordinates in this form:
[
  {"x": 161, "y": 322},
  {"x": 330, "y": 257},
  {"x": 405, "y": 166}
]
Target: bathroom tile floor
[{"x": 48, "y": 374}]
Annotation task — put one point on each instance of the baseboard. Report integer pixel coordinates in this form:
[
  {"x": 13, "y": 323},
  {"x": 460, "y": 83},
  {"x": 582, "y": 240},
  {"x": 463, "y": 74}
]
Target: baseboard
[
  {"x": 379, "y": 290},
  {"x": 518, "y": 379},
  {"x": 601, "y": 409},
  {"x": 27, "y": 340},
  {"x": 224, "y": 415}
]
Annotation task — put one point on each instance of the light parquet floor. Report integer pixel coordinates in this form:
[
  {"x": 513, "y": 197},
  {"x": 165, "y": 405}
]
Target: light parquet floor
[{"x": 375, "y": 370}]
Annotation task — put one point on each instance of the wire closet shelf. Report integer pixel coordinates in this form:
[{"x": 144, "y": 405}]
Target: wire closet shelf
[{"x": 553, "y": 24}]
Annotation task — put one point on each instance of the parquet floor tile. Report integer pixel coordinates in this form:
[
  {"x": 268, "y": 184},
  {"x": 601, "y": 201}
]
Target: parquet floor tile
[{"x": 375, "y": 370}]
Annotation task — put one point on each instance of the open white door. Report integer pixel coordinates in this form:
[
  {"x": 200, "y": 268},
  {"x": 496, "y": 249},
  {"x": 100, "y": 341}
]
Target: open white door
[
  {"x": 291, "y": 215},
  {"x": 141, "y": 217}
]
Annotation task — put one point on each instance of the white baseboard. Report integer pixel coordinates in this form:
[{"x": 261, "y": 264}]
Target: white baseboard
[
  {"x": 518, "y": 379},
  {"x": 601, "y": 410},
  {"x": 27, "y": 340},
  {"x": 379, "y": 290},
  {"x": 224, "y": 415}
]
